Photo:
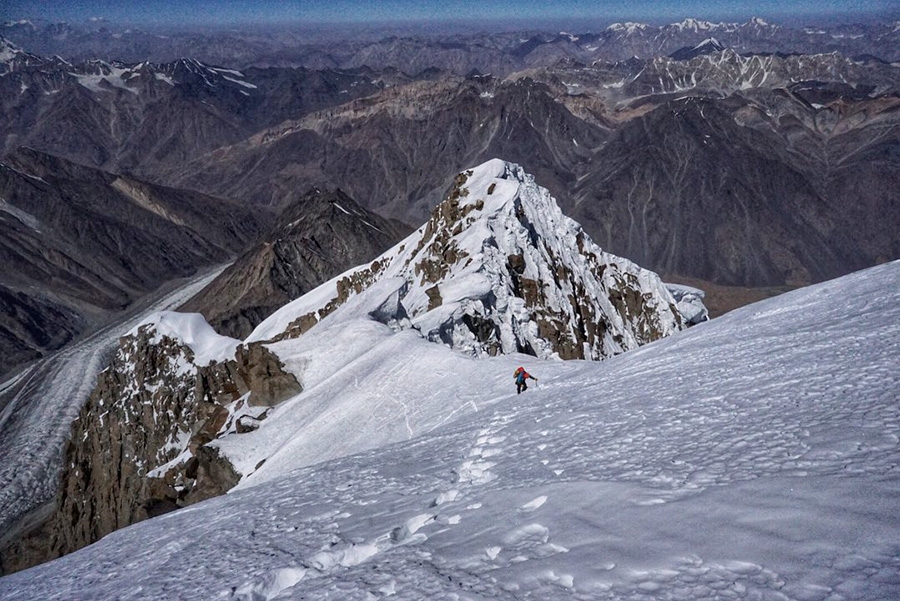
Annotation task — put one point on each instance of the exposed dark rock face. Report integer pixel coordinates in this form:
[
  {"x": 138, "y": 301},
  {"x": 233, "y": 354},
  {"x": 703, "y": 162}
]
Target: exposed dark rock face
[
  {"x": 32, "y": 325},
  {"x": 149, "y": 117},
  {"x": 760, "y": 190},
  {"x": 322, "y": 234},
  {"x": 397, "y": 152},
  {"x": 78, "y": 243},
  {"x": 140, "y": 446}
]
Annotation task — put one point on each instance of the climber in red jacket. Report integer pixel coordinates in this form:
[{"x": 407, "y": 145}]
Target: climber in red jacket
[{"x": 520, "y": 375}]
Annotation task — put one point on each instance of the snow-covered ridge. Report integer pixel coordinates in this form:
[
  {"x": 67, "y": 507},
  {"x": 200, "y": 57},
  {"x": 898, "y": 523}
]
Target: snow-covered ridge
[
  {"x": 690, "y": 24},
  {"x": 13, "y": 58},
  {"x": 498, "y": 269},
  {"x": 700, "y": 25},
  {"x": 103, "y": 76},
  {"x": 628, "y": 27},
  {"x": 725, "y": 71},
  {"x": 191, "y": 330},
  {"x": 7, "y": 50},
  {"x": 174, "y": 73}
]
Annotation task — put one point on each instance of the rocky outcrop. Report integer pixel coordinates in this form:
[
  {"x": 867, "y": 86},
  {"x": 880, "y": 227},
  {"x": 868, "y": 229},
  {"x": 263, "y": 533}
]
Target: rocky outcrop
[{"x": 140, "y": 446}]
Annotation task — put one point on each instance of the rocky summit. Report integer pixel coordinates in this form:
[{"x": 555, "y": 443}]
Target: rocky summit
[{"x": 499, "y": 269}]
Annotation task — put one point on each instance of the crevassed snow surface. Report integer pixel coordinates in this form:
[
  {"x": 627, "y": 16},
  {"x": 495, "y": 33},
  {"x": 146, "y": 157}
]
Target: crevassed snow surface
[{"x": 753, "y": 457}]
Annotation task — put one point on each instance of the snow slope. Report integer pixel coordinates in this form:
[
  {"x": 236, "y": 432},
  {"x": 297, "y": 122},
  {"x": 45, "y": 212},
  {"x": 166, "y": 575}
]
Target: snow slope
[
  {"x": 752, "y": 457},
  {"x": 496, "y": 217}
]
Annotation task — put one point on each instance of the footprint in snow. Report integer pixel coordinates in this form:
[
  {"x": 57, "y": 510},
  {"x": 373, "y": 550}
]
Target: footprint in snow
[
  {"x": 407, "y": 533},
  {"x": 269, "y": 585}
]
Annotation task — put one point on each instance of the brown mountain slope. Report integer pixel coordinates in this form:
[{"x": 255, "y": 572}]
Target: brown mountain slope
[
  {"x": 77, "y": 243},
  {"x": 399, "y": 150},
  {"x": 749, "y": 191},
  {"x": 320, "y": 235}
]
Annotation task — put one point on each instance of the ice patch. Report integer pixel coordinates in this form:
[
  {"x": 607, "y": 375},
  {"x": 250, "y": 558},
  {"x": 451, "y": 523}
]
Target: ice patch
[{"x": 533, "y": 504}]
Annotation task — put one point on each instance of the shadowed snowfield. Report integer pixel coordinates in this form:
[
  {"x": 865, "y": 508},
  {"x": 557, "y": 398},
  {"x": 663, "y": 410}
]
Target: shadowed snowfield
[{"x": 752, "y": 457}]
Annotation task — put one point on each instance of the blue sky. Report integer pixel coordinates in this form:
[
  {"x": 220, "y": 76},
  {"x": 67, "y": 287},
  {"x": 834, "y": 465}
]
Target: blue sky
[{"x": 359, "y": 11}]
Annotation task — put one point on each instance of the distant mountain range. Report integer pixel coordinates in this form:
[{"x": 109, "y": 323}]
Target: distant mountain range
[
  {"x": 741, "y": 155},
  {"x": 499, "y": 53}
]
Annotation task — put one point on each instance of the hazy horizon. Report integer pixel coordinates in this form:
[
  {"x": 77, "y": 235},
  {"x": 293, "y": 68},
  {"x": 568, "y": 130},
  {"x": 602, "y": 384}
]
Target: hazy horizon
[{"x": 460, "y": 14}]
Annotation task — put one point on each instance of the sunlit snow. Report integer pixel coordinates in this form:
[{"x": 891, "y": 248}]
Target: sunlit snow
[{"x": 752, "y": 457}]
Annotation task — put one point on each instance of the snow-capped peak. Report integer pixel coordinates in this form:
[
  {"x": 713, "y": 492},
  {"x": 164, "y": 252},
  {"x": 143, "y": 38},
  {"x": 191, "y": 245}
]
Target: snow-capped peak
[
  {"x": 13, "y": 58},
  {"x": 497, "y": 269},
  {"x": 627, "y": 27},
  {"x": 20, "y": 23},
  {"x": 758, "y": 24},
  {"x": 700, "y": 26},
  {"x": 709, "y": 43},
  {"x": 8, "y": 50},
  {"x": 694, "y": 24}
]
